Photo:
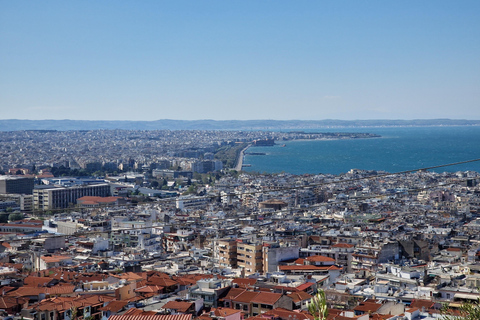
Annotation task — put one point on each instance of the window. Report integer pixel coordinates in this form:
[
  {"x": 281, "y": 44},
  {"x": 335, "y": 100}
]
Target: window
[
  {"x": 245, "y": 307},
  {"x": 255, "y": 305}
]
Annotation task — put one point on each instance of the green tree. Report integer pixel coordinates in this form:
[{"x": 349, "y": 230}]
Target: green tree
[
  {"x": 4, "y": 217},
  {"x": 317, "y": 306},
  {"x": 468, "y": 311},
  {"x": 15, "y": 216},
  {"x": 73, "y": 313}
]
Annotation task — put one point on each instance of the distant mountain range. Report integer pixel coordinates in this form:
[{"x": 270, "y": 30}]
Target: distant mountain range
[{"x": 62, "y": 125}]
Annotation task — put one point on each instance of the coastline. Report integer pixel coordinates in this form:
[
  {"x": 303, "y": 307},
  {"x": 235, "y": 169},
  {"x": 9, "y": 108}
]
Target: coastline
[{"x": 239, "y": 164}]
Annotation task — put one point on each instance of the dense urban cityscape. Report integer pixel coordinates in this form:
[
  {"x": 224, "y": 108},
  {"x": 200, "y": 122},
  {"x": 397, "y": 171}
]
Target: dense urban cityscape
[{"x": 116, "y": 224}]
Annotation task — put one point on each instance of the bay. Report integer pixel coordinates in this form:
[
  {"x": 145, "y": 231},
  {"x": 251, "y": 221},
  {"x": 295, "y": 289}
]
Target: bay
[{"x": 399, "y": 149}]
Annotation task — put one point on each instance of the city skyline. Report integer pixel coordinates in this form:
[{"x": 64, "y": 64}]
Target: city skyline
[{"x": 239, "y": 60}]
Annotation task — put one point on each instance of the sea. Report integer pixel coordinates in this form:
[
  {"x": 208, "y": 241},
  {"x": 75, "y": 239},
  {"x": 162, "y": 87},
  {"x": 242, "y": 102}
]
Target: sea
[{"x": 398, "y": 149}]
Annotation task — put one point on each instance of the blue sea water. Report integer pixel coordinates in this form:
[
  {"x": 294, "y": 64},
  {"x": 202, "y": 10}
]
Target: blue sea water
[{"x": 399, "y": 149}]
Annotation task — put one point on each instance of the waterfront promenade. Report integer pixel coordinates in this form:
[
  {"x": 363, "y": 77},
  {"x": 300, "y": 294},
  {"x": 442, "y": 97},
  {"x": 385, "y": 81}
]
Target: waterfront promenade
[{"x": 239, "y": 164}]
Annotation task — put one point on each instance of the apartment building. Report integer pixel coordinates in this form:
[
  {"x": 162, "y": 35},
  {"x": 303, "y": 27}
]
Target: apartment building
[
  {"x": 226, "y": 253},
  {"x": 250, "y": 257},
  {"x": 60, "y": 197},
  {"x": 16, "y": 184}
]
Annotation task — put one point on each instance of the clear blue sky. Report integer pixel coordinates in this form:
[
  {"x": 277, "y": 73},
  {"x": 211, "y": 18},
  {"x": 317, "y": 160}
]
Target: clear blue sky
[{"x": 149, "y": 60}]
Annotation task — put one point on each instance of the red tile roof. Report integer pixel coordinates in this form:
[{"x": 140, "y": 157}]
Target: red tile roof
[
  {"x": 150, "y": 289},
  {"x": 368, "y": 307},
  {"x": 179, "y": 306},
  {"x": 233, "y": 292},
  {"x": 224, "y": 312},
  {"x": 319, "y": 259},
  {"x": 114, "y": 306},
  {"x": 299, "y": 296},
  {"x": 308, "y": 268},
  {"x": 304, "y": 286},
  {"x": 244, "y": 282},
  {"x": 418, "y": 303},
  {"x": 268, "y": 298},
  {"x": 10, "y": 302},
  {"x": 152, "y": 317},
  {"x": 343, "y": 245},
  {"x": 285, "y": 314},
  {"x": 246, "y": 296}
]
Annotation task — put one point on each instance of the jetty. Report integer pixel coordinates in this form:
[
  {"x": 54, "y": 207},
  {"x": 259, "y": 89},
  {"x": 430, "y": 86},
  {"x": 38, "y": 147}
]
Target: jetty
[{"x": 241, "y": 155}]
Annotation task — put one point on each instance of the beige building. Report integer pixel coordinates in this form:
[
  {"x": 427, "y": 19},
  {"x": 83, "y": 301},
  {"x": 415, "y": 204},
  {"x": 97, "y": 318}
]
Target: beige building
[
  {"x": 227, "y": 253},
  {"x": 249, "y": 257}
]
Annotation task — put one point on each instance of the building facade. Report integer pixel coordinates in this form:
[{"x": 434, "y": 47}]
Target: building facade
[
  {"x": 53, "y": 198},
  {"x": 16, "y": 184}
]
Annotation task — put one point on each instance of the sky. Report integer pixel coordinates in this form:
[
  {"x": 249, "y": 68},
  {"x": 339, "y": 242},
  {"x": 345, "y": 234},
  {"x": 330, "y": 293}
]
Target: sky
[{"x": 248, "y": 59}]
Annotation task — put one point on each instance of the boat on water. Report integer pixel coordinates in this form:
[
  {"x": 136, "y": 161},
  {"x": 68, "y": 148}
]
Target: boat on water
[{"x": 283, "y": 145}]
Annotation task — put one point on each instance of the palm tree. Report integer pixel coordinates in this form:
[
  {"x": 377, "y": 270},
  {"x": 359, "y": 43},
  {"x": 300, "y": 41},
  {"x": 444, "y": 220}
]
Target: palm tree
[{"x": 318, "y": 306}]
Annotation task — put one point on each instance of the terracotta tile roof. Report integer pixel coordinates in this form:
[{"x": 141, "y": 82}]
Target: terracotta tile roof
[
  {"x": 308, "y": 268},
  {"x": 367, "y": 307},
  {"x": 377, "y": 316},
  {"x": 267, "y": 298},
  {"x": 10, "y": 302},
  {"x": 6, "y": 289},
  {"x": 186, "y": 281},
  {"x": 67, "y": 289},
  {"x": 150, "y": 289},
  {"x": 304, "y": 286},
  {"x": 151, "y": 317},
  {"x": 244, "y": 282},
  {"x": 319, "y": 258},
  {"x": 454, "y": 249},
  {"x": 114, "y": 306},
  {"x": 135, "y": 311},
  {"x": 55, "y": 258},
  {"x": 179, "y": 306},
  {"x": 129, "y": 276},
  {"x": 299, "y": 296},
  {"x": 245, "y": 297},
  {"x": 94, "y": 200},
  {"x": 418, "y": 303},
  {"x": 285, "y": 314},
  {"x": 36, "y": 281},
  {"x": 233, "y": 292},
  {"x": 62, "y": 304},
  {"x": 26, "y": 292},
  {"x": 164, "y": 282},
  {"x": 224, "y": 312},
  {"x": 343, "y": 245},
  {"x": 6, "y": 245}
]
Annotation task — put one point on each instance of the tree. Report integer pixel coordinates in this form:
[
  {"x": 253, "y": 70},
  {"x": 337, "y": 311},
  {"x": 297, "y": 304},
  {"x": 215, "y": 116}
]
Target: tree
[
  {"x": 73, "y": 313},
  {"x": 4, "y": 217},
  {"x": 468, "y": 311},
  {"x": 318, "y": 306},
  {"x": 15, "y": 216}
]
